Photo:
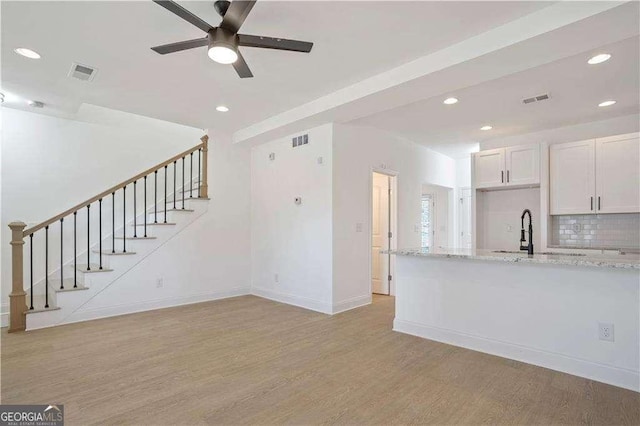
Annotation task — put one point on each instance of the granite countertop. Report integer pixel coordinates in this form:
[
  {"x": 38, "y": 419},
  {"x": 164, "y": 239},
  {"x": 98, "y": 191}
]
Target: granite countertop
[{"x": 627, "y": 261}]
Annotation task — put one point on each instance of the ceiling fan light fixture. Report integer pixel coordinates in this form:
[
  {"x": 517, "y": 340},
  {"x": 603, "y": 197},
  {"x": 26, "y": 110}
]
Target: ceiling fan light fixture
[
  {"x": 223, "y": 54},
  {"x": 223, "y": 46}
]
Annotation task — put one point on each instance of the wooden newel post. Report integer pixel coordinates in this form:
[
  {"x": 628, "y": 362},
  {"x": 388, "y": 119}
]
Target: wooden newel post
[
  {"x": 17, "y": 298},
  {"x": 204, "y": 186}
]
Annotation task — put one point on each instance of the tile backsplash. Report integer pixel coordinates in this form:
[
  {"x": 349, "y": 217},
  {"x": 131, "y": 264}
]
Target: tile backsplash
[{"x": 596, "y": 231}]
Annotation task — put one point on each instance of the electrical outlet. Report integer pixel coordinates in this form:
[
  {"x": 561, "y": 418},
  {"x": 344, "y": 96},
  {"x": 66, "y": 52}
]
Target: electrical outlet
[
  {"x": 509, "y": 228},
  {"x": 605, "y": 331},
  {"x": 159, "y": 283},
  {"x": 276, "y": 278},
  {"x": 358, "y": 227},
  {"x": 576, "y": 227}
]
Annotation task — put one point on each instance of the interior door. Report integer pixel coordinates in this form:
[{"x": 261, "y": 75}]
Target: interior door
[
  {"x": 380, "y": 234},
  {"x": 465, "y": 218},
  {"x": 618, "y": 175}
]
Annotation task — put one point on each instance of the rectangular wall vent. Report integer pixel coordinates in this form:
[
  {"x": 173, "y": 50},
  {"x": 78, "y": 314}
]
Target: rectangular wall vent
[
  {"x": 300, "y": 140},
  {"x": 82, "y": 72},
  {"x": 538, "y": 98}
]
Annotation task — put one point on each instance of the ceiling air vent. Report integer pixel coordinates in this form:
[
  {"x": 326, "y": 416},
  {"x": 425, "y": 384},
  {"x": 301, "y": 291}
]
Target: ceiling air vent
[
  {"x": 300, "y": 140},
  {"x": 82, "y": 72},
  {"x": 536, "y": 99}
]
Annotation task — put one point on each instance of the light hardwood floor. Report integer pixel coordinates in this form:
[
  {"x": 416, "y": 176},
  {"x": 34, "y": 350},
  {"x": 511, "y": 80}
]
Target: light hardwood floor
[{"x": 248, "y": 360}]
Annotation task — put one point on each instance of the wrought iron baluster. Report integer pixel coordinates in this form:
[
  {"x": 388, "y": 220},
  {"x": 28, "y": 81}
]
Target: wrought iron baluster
[
  {"x": 165, "y": 194},
  {"x": 31, "y": 267},
  {"x": 100, "y": 230},
  {"x": 174, "y": 185},
  {"x": 75, "y": 251},
  {"x": 46, "y": 266},
  {"x": 155, "y": 197},
  {"x": 135, "y": 223},
  {"x": 61, "y": 253},
  {"x": 199, "y": 173},
  {"x": 124, "y": 218},
  {"x": 182, "y": 183},
  {"x": 191, "y": 176},
  {"x": 88, "y": 238},
  {"x": 113, "y": 222},
  {"x": 145, "y": 207}
]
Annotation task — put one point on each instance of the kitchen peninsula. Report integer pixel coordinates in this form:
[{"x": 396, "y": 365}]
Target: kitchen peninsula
[{"x": 576, "y": 313}]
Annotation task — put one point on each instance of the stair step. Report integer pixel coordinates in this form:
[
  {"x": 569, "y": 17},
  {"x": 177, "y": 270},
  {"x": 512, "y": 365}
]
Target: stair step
[
  {"x": 181, "y": 210},
  {"x": 68, "y": 285},
  {"x": 117, "y": 253},
  {"x": 137, "y": 238},
  {"x": 94, "y": 268},
  {"x": 43, "y": 309},
  {"x": 179, "y": 200},
  {"x": 156, "y": 224}
]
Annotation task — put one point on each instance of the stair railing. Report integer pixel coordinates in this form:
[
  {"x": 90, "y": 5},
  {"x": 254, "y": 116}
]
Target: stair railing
[{"x": 18, "y": 303}]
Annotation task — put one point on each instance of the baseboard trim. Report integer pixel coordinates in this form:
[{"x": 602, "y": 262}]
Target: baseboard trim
[
  {"x": 150, "y": 305},
  {"x": 352, "y": 303},
  {"x": 4, "y": 319},
  {"x": 290, "y": 299},
  {"x": 628, "y": 379}
]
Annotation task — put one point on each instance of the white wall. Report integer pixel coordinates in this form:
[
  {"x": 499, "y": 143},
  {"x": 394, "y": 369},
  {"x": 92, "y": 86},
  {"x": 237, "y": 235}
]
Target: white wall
[
  {"x": 49, "y": 164},
  {"x": 288, "y": 240},
  {"x": 594, "y": 129},
  {"x": 356, "y": 152},
  {"x": 498, "y": 218}
]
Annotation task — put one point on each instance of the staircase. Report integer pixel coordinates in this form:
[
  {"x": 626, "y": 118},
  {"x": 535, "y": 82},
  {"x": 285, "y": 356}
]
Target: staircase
[{"x": 61, "y": 264}]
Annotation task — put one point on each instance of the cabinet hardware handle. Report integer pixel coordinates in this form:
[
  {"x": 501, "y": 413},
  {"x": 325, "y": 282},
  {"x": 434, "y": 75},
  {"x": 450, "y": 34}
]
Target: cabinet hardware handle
[
  {"x": 507, "y": 176},
  {"x": 599, "y": 208},
  {"x": 591, "y": 203},
  {"x": 502, "y": 176}
]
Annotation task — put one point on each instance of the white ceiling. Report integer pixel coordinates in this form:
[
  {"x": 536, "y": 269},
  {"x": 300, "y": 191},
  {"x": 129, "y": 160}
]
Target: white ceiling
[
  {"x": 575, "y": 87},
  {"x": 353, "y": 40}
]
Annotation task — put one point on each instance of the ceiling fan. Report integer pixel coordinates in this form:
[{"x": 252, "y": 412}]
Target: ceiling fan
[{"x": 223, "y": 41}]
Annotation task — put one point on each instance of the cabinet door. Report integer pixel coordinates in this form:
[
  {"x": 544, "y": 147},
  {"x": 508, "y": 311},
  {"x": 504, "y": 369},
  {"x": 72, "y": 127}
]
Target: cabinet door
[
  {"x": 572, "y": 177},
  {"x": 618, "y": 174},
  {"x": 522, "y": 165},
  {"x": 489, "y": 168}
]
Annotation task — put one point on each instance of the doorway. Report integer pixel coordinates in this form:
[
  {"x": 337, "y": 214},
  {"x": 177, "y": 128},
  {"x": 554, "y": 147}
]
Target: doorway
[
  {"x": 437, "y": 216},
  {"x": 383, "y": 232}
]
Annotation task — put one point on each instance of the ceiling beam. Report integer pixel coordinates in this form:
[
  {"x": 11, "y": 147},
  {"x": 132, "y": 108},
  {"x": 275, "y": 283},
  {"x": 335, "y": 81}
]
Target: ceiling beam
[{"x": 549, "y": 34}]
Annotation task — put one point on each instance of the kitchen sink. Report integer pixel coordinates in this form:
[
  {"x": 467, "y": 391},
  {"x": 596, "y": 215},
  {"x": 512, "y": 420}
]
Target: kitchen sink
[{"x": 546, "y": 253}]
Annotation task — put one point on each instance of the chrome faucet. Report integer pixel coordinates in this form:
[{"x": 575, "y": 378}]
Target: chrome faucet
[{"x": 529, "y": 247}]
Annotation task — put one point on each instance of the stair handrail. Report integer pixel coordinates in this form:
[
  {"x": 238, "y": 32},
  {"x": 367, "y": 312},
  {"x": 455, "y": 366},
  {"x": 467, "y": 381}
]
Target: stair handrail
[
  {"x": 127, "y": 182},
  {"x": 17, "y": 297}
]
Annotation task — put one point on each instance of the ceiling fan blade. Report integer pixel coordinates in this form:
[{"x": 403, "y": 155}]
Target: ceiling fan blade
[
  {"x": 180, "y": 45},
  {"x": 236, "y": 14},
  {"x": 242, "y": 68},
  {"x": 175, "y": 8},
  {"x": 274, "y": 43}
]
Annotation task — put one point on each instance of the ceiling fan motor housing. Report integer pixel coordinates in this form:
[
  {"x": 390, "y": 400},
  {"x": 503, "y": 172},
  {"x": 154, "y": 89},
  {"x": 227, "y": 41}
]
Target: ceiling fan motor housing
[{"x": 223, "y": 38}]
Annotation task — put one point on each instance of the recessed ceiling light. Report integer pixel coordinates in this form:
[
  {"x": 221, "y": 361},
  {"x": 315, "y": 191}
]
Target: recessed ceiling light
[
  {"x": 27, "y": 53},
  {"x": 598, "y": 59},
  {"x": 606, "y": 103},
  {"x": 35, "y": 104},
  {"x": 487, "y": 127},
  {"x": 1, "y": 98},
  {"x": 450, "y": 101},
  {"x": 222, "y": 108}
]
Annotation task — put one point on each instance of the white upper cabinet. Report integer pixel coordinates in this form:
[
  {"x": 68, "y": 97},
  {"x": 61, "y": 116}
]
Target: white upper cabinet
[
  {"x": 595, "y": 176},
  {"x": 503, "y": 167},
  {"x": 572, "y": 177},
  {"x": 489, "y": 168},
  {"x": 522, "y": 164},
  {"x": 618, "y": 174}
]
